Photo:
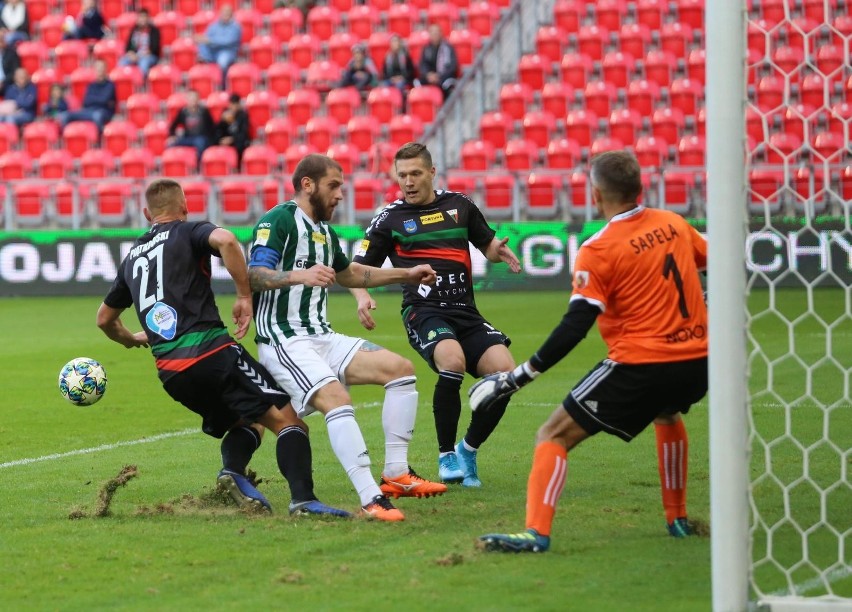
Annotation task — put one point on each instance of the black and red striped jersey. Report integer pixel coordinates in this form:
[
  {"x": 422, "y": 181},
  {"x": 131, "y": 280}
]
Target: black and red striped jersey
[{"x": 439, "y": 233}]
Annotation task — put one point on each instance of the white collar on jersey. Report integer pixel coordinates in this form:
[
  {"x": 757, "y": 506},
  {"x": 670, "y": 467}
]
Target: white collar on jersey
[{"x": 627, "y": 214}]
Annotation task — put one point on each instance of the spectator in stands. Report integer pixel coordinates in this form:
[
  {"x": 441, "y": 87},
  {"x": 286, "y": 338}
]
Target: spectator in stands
[
  {"x": 439, "y": 64},
  {"x": 361, "y": 71},
  {"x": 221, "y": 42},
  {"x": 9, "y": 62},
  {"x": 56, "y": 104},
  {"x": 90, "y": 23},
  {"x": 143, "y": 44},
  {"x": 233, "y": 128},
  {"x": 192, "y": 126},
  {"x": 20, "y": 100},
  {"x": 15, "y": 21},
  {"x": 98, "y": 102},
  {"x": 398, "y": 68}
]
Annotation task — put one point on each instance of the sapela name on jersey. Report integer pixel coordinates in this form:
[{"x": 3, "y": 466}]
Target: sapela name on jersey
[{"x": 433, "y": 218}]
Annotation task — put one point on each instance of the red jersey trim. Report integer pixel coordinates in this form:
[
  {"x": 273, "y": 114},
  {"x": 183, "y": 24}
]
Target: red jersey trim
[
  {"x": 459, "y": 255},
  {"x": 179, "y": 365}
]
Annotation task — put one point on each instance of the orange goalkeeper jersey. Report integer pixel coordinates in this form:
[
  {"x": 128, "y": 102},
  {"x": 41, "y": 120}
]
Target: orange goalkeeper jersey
[{"x": 641, "y": 270}]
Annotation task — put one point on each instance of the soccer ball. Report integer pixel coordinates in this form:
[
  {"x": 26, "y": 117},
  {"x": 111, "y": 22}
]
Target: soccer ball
[{"x": 82, "y": 381}]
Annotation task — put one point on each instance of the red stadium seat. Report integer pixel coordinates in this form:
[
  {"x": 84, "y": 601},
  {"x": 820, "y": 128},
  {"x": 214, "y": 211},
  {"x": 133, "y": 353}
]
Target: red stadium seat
[
  {"x": 323, "y": 75},
  {"x": 323, "y": 21},
  {"x": 141, "y": 108},
  {"x": 69, "y": 200},
  {"x": 37, "y": 9},
  {"x": 170, "y": 24},
  {"x": 461, "y": 184},
  {"x": 677, "y": 189},
  {"x": 650, "y": 12},
  {"x": 604, "y": 144},
  {"x": 445, "y": 14},
  {"x": 829, "y": 146},
  {"x": 204, "y": 78},
  {"x": 340, "y": 47},
  {"x": 685, "y": 94},
  {"x": 260, "y": 160},
  {"x": 543, "y": 191},
  {"x": 538, "y": 127},
  {"x": 667, "y": 124},
  {"x": 384, "y": 102},
  {"x": 30, "y": 202},
  {"x": 273, "y": 191},
  {"x": 770, "y": 93},
  {"x": 40, "y": 136},
  {"x": 154, "y": 136},
  {"x": 216, "y": 102},
  {"x": 237, "y": 197},
  {"x": 380, "y": 157},
  {"x": 55, "y": 164},
  {"x": 781, "y": 147},
  {"x": 514, "y": 99},
  {"x": 592, "y": 40},
  {"x": 304, "y": 48},
  {"x": 123, "y": 23},
  {"x": 674, "y": 38},
  {"x": 415, "y": 43},
  {"x": 294, "y": 154},
  {"x": 368, "y": 192},
  {"x": 184, "y": 53},
  {"x": 44, "y": 79},
  {"x": 401, "y": 19},
  {"x": 302, "y": 104},
  {"x": 477, "y": 155},
  {"x": 9, "y": 137},
  {"x": 404, "y": 128},
  {"x": 261, "y": 106},
  {"x": 281, "y": 76},
  {"x": 634, "y": 39},
  {"x": 624, "y": 124},
  {"x": 520, "y": 154},
  {"x": 70, "y": 55},
  {"x": 651, "y": 152},
  {"x": 467, "y": 44},
  {"x": 660, "y": 66},
  {"x": 494, "y": 127},
  {"x": 617, "y": 68},
  {"x": 279, "y": 133},
  {"x": 499, "y": 193},
  {"x": 482, "y": 17},
  {"x": 15, "y": 165},
  {"x": 179, "y": 161},
  {"x": 250, "y": 21},
  {"x": 243, "y": 78},
  {"x": 51, "y": 30},
  {"x": 690, "y": 151},
  {"x": 363, "y": 19},
  {"x": 556, "y": 98},
  {"x": 425, "y": 102},
  {"x": 549, "y": 40},
  {"x": 96, "y": 163},
  {"x": 814, "y": 90},
  {"x": 218, "y": 161},
  {"x": 581, "y": 126},
  {"x": 127, "y": 80},
  {"x": 342, "y": 102},
  {"x": 263, "y": 50},
  {"x": 33, "y": 54},
  {"x": 363, "y": 131},
  {"x": 79, "y": 136},
  {"x": 576, "y": 69},
  {"x": 532, "y": 70},
  {"x": 111, "y": 201},
  {"x": 563, "y": 154},
  {"x": 766, "y": 190},
  {"x": 346, "y": 155},
  {"x": 642, "y": 96},
  {"x": 610, "y": 13},
  {"x": 321, "y": 131},
  {"x": 691, "y": 13},
  {"x": 285, "y": 22},
  {"x": 840, "y": 115},
  {"x": 567, "y": 14},
  {"x": 108, "y": 50},
  {"x": 136, "y": 163},
  {"x": 600, "y": 97},
  {"x": 197, "y": 198},
  {"x": 164, "y": 80},
  {"x": 695, "y": 65}
]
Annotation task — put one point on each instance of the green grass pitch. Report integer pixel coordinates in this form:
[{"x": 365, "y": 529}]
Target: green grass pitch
[{"x": 166, "y": 545}]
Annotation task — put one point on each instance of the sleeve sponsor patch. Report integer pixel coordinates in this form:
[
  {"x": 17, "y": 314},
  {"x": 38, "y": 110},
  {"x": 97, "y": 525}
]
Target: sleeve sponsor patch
[
  {"x": 361, "y": 251},
  {"x": 262, "y": 236},
  {"x": 581, "y": 279}
]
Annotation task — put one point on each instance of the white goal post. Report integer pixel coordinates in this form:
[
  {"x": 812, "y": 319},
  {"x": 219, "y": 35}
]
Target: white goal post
[{"x": 781, "y": 497}]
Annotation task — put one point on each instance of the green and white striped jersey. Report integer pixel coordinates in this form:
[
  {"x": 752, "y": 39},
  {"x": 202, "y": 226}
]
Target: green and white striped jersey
[{"x": 298, "y": 243}]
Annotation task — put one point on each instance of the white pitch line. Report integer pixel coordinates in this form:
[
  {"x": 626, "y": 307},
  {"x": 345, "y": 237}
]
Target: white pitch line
[
  {"x": 815, "y": 583},
  {"x": 97, "y": 449}
]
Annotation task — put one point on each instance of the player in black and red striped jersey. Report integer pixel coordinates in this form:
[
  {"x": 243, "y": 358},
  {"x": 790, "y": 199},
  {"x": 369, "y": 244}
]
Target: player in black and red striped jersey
[{"x": 442, "y": 321}]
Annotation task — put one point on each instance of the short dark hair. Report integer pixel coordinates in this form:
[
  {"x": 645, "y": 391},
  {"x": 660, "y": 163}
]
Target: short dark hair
[
  {"x": 142, "y": 11},
  {"x": 618, "y": 175},
  {"x": 162, "y": 193},
  {"x": 314, "y": 167},
  {"x": 413, "y": 150},
  {"x": 234, "y": 98}
]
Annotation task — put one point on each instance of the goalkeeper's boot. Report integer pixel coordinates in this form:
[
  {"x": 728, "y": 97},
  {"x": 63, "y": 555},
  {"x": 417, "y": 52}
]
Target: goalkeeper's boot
[
  {"x": 381, "y": 508},
  {"x": 316, "y": 508},
  {"x": 242, "y": 491},
  {"x": 467, "y": 463},
  {"x": 527, "y": 541},
  {"x": 680, "y": 528},
  {"x": 448, "y": 468},
  {"x": 410, "y": 485}
]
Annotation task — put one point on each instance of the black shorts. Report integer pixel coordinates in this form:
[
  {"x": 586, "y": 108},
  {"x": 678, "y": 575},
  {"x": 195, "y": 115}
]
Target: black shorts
[
  {"x": 226, "y": 388},
  {"x": 624, "y": 399},
  {"x": 428, "y": 326}
]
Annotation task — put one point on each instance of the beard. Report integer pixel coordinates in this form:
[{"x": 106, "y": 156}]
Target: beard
[{"x": 320, "y": 208}]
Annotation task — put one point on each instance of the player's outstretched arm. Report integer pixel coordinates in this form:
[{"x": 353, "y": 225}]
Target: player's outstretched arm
[
  {"x": 498, "y": 250},
  {"x": 360, "y": 276},
  {"x": 263, "y": 278},
  {"x": 109, "y": 320},
  {"x": 366, "y": 303}
]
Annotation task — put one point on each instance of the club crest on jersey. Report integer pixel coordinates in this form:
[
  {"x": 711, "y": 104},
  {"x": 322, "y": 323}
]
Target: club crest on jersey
[
  {"x": 162, "y": 320},
  {"x": 581, "y": 279},
  {"x": 410, "y": 225},
  {"x": 433, "y": 218},
  {"x": 454, "y": 213},
  {"x": 318, "y": 237}
]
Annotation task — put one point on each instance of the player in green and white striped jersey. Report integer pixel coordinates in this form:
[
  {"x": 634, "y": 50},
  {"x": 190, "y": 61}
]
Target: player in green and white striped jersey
[{"x": 295, "y": 259}]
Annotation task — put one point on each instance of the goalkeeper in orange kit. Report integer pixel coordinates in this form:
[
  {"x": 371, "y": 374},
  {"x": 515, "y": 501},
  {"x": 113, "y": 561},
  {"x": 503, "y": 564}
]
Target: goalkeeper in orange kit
[{"x": 638, "y": 278}]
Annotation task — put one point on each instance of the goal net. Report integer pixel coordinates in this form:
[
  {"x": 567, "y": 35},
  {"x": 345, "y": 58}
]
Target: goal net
[{"x": 798, "y": 287}]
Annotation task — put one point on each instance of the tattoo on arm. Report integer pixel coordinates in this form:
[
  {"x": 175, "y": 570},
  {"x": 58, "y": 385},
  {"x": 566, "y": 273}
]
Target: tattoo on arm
[
  {"x": 367, "y": 274},
  {"x": 264, "y": 279},
  {"x": 370, "y": 347}
]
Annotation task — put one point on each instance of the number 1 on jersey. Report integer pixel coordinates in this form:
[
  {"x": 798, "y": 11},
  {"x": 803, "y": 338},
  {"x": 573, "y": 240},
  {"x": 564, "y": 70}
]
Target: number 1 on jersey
[{"x": 670, "y": 267}]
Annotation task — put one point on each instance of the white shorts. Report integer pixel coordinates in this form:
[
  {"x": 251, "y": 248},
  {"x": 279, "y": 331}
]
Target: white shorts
[{"x": 303, "y": 364}]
